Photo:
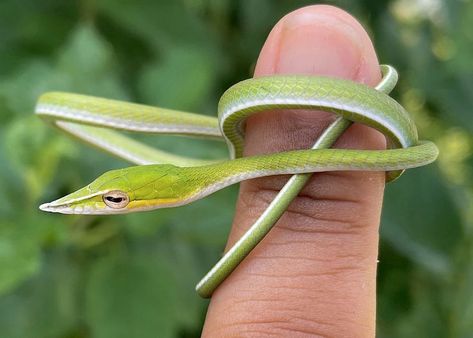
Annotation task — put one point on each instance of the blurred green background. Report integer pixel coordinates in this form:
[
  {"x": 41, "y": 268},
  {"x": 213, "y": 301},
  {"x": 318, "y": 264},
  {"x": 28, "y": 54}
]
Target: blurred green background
[{"x": 134, "y": 276}]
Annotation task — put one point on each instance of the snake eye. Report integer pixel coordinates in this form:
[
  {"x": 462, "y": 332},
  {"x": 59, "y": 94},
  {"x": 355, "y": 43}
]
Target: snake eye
[{"x": 116, "y": 199}]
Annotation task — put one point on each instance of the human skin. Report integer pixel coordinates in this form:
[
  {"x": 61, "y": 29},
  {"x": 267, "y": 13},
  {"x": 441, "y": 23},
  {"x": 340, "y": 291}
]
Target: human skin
[{"x": 314, "y": 274}]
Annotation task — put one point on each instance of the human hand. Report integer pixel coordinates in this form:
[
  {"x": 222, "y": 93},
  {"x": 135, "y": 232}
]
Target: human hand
[{"x": 315, "y": 272}]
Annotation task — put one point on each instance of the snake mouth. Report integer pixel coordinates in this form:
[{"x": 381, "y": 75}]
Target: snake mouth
[
  {"x": 62, "y": 209},
  {"x": 70, "y": 208},
  {"x": 77, "y": 203},
  {"x": 92, "y": 208}
]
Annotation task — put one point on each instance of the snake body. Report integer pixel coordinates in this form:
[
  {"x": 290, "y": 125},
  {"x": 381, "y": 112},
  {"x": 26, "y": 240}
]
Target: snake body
[{"x": 166, "y": 180}]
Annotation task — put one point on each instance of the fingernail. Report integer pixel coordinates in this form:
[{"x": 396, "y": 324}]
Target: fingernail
[{"x": 313, "y": 43}]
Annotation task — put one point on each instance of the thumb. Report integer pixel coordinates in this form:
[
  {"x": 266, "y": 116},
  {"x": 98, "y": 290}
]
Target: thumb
[{"x": 315, "y": 272}]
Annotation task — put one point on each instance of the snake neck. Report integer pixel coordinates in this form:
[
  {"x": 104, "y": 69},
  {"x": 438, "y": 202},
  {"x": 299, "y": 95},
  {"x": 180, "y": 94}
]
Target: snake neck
[{"x": 207, "y": 179}]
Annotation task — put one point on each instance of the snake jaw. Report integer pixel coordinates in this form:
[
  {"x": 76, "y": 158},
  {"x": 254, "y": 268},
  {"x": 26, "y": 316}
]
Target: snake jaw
[
  {"x": 50, "y": 207},
  {"x": 79, "y": 202},
  {"x": 64, "y": 208}
]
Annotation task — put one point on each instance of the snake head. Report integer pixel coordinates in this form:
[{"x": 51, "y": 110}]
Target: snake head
[{"x": 126, "y": 190}]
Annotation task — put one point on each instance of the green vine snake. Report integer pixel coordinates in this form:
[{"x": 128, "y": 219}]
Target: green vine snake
[{"x": 161, "y": 179}]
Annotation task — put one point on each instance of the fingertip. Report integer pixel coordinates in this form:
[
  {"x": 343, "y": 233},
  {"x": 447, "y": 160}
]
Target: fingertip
[
  {"x": 318, "y": 40},
  {"x": 322, "y": 40}
]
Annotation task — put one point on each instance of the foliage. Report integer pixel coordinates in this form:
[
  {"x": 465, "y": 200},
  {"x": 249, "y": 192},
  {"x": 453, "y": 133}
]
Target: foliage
[{"x": 133, "y": 276}]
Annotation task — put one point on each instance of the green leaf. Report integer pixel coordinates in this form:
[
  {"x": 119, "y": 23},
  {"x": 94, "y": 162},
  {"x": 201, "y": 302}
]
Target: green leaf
[
  {"x": 46, "y": 305},
  {"x": 460, "y": 293},
  {"x": 87, "y": 62},
  {"x": 21, "y": 242},
  {"x": 421, "y": 219},
  {"x": 184, "y": 257},
  {"x": 35, "y": 153},
  {"x": 155, "y": 22},
  {"x": 182, "y": 80},
  {"x": 84, "y": 65},
  {"x": 33, "y": 78},
  {"x": 208, "y": 221},
  {"x": 422, "y": 315},
  {"x": 131, "y": 297},
  {"x": 19, "y": 255},
  {"x": 30, "y": 29}
]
